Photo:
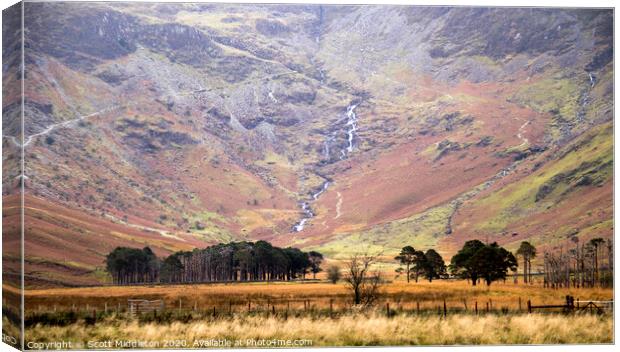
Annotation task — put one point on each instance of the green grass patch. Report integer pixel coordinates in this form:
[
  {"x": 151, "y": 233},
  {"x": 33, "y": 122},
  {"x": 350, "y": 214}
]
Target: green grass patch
[
  {"x": 590, "y": 156},
  {"x": 422, "y": 231}
]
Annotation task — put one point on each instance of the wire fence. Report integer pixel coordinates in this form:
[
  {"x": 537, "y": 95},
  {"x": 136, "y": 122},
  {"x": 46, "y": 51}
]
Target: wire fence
[{"x": 137, "y": 308}]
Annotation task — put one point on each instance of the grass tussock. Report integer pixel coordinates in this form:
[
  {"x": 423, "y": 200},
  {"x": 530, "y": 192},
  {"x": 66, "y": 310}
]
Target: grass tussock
[{"x": 353, "y": 330}]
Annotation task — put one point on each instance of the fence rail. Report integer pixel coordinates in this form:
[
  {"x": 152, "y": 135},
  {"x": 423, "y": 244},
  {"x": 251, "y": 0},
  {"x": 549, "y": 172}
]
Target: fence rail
[
  {"x": 134, "y": 308},
  {"x": 598, "y": 307},
  {"x": 139, "y": 306}
]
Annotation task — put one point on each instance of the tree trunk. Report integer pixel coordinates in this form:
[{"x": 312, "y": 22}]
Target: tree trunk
[
  {"x": 408, "y": 272},
  {"x": 596, "y": 276}
]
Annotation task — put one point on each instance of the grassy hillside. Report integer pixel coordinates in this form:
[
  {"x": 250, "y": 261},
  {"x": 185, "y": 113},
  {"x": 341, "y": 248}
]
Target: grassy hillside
[{"x": 566, "y": 193}]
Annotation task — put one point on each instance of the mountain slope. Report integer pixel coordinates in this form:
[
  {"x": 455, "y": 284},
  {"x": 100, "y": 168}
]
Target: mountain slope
[{"x": 335, "y": 128}]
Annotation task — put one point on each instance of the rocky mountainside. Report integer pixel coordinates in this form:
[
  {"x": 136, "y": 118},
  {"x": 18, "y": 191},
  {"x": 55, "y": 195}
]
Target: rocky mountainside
[{"x": 334, "y": 128}]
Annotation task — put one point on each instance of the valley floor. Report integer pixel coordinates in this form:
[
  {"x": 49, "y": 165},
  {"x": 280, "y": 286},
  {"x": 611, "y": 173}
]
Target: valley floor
[
  {"x": 310, "y": 313},
  {"x": 458, "y": 294}
]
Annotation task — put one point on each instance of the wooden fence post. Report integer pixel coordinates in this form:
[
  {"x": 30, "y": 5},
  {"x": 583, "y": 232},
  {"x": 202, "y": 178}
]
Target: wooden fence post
[
  {"x": 529, "y": 306},
  {"x": 570, "y": 302},
  {"x": 229, "y": 307},
  {"x": 519, "y": 304},
  {"x": 476, "y": 307},
  {"x": 465, "y": 304},
  {"x": 331, "y": 306},
  {"x": 387, "y": 309},
  {"x": 417, "y": 305},
  {"x": 487, "y": 307},
  {"x": 445, "y": 309},
  {"x": 249, "y": 306}
]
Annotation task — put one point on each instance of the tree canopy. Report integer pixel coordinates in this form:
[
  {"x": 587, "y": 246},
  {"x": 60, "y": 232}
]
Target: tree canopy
[
  {"x": 407, "y": 257},
  {"x": 316, "y": 259},
  {"x": 477, "y": 260},
  {"x": 235, "y": 261},
  {"x": 527, "y": 251},
  {"x": 132, "y": 265},
  {"x": 434, "y": 267},
  {"x": 429, "y": 264}
]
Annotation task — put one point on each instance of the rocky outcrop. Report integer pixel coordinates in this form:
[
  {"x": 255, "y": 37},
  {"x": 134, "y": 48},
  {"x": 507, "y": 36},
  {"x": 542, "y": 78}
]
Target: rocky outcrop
[
  {"x": 180, "y": 43},
  {"x": 83, "y": 38},
  {"x": 271, "y": 28}
]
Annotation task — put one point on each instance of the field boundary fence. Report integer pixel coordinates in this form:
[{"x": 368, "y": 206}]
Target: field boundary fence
[
  {"x": 283, "y": 307},
  {"x": 576, "y": 306}
]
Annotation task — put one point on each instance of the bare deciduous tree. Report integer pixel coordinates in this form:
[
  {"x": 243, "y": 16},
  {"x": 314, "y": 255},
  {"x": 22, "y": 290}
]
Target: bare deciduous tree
[
  {"x": 585, "y": 265},
  {"x": 333, "y": 273},
  {"x": 364, "y": 284}
]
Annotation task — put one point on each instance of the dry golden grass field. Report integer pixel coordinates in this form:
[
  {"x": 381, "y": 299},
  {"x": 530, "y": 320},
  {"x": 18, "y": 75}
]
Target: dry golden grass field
[
  {"x": 349, "y": 330},
  {"x": 293, "y": 311},
  {"x": 399, "y": 294}
]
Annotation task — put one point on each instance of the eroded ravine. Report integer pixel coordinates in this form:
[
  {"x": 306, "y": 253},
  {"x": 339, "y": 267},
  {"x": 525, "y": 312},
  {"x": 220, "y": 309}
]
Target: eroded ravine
[{"x": 350, "y": 132}]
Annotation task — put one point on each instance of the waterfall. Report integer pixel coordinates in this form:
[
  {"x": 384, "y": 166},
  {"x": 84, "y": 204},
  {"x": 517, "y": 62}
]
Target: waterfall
[
  {"x": 323, "y": 189},
  {"x": 351, "y": 129},
  {"x": 351, "y": 126},
  {"x": 307, "y": 215},
  {"x": 272, "y": 97},
  {"x": 305, "y": 208}
]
